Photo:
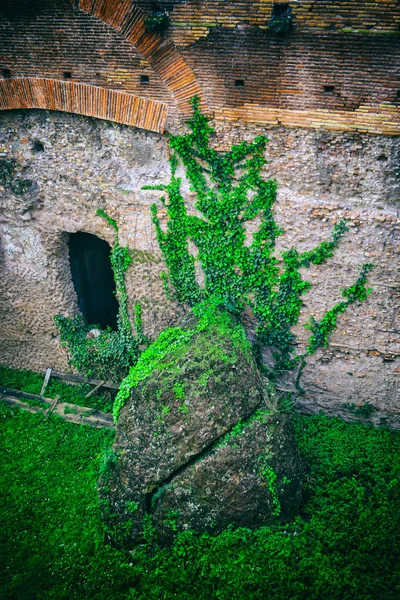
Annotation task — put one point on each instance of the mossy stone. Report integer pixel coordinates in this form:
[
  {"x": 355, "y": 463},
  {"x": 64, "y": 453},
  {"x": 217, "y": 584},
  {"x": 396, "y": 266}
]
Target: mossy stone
[{"x": 195, "y": 436}]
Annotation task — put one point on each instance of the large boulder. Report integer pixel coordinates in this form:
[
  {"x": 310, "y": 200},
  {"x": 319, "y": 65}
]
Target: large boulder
[{"x": 199, "y": 444}]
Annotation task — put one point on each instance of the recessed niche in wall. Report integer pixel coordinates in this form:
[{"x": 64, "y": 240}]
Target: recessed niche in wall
[
  {"x": 67, "y": 74},
  {"x": 6, "y": 73},
  {"x": 93, "y": 279},
  {"x": 281, "y": 18},
  {"x": 281, "y": 9},
  {"x": 38, "y": 146},
  {"x": 239, "y": 82},
  {"x": 329, "y": 89},
  {"x": 144, "y": 79}
]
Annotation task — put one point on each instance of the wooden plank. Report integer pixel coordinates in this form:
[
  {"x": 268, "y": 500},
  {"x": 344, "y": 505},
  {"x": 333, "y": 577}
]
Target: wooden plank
[
  {"x": 45, "y": 382},
  {"x": 10, "y": 401},
  {"x": 98, "y": 386},
  {"x": 80, "y": 379},
  {"x": 52, "y": 407},
  {"x": 24, "y": 395},
  {"x": 80, "y": 415}
]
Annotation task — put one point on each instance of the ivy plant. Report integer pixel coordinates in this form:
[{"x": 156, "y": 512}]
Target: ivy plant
[
  {"x": 109, "y": 354},
  {"x": 230, "y": 192},
  {"x": 157, "y": 21}
]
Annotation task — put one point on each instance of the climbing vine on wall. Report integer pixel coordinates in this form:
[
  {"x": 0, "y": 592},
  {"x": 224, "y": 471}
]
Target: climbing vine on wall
[
  {"x": 105, "y": 353},
  {"x": 230, "y": 192}
]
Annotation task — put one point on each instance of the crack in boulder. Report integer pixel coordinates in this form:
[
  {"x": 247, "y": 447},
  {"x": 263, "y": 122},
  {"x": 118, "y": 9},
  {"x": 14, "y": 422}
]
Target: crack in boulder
[{"x": 207, "y": 451}]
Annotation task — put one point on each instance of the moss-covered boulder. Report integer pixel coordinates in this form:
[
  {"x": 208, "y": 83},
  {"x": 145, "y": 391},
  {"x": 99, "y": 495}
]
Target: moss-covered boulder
[{"x": 198, "y": 445}]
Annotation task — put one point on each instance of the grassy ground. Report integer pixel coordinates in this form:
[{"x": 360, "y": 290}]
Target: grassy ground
[{"x": 345, "y": 545}]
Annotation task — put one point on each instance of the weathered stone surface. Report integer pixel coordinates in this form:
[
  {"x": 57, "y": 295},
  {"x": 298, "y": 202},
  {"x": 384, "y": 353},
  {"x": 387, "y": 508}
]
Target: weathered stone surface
[
  {"x": 197, "y": 446},
  {"x": 247, "y": 480}
]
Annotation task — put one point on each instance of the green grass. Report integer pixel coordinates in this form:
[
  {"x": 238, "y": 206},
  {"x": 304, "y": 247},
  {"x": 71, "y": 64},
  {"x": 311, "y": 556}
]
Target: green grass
[
  {"x": 31, "y": 382},
  {"x": 345, "y": 545},
  {"x": 51, "y": 536}
]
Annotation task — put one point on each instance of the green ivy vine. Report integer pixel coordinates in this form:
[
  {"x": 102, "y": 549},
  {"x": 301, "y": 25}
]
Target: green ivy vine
[
  {"x": 230, "y": 191},
  {"x": 111, "y": 353}
]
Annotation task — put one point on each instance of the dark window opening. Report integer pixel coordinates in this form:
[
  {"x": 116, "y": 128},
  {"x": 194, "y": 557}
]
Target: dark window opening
[
  {"x": 329, "y": 89},
  {"x": 67, "y": 74},
  {"x": 239, "y": 82},
  {"x": 144, "y": 79},
  {"x": 6, "y": 73},
  {"x": 398, "y": 96},
  {"x": 93, "y": 279}
]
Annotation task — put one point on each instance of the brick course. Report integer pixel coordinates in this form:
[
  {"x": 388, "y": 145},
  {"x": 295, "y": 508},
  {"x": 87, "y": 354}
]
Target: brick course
[{"x": 83, "y": 99}]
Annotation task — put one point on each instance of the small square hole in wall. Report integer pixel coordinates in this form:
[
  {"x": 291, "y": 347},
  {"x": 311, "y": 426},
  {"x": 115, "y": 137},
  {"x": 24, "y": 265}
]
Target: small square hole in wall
[
  {"x": 6, "y": 73},
  {"x": 329, "y": 89},
  {"x": 67, "y": 74},
  {"x": 281, "y": 9},
  {"x": 398, "y": 96},
  {"x": 144, "y": 79},
  {"x": 239, "y": 82}
]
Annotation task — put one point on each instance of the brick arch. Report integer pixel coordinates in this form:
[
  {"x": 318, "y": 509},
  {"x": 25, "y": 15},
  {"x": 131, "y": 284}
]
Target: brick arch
[
  {"x": 166, "y": 60},
  {"x": 83, "y": 99}
]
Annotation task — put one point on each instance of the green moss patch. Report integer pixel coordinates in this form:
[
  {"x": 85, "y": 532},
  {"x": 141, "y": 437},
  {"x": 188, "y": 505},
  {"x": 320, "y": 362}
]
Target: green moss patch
[{"x": 173, "y": 343}]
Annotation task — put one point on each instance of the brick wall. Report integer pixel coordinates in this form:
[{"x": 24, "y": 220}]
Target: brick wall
[
  {"x": 297, "y": 72},
  {"x": 343, "y": 57},
  {"x": 55, "y": 39},
  {"x": 193, "y": 19}
]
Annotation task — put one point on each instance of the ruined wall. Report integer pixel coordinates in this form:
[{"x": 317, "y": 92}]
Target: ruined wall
[
  {"x": 86, "y": 164},
  {"x": 322, "y": 177},
  {"x": 319, "y": 92},
  {"x": 192, "y": 19}
]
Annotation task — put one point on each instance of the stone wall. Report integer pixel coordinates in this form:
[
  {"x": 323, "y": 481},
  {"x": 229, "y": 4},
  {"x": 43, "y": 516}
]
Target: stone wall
[{"x": 322, "y": 176}]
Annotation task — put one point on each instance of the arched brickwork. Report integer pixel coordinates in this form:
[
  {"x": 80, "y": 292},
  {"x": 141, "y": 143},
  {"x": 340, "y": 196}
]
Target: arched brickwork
[
  {"x": 83, "y": 99},
  {"x": 166, "y": 60}
]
